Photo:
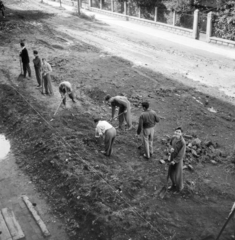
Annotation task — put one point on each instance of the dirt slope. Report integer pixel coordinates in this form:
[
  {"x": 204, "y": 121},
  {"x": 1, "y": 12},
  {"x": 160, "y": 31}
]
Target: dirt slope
[{"x": 110, "y": 198}]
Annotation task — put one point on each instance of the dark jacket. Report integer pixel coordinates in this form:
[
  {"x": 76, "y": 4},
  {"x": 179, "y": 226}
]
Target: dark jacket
[
  {"x": 37, "y": 63},
  {"x": 147, "y": 119},
  {"x": 24, "y": 56}
]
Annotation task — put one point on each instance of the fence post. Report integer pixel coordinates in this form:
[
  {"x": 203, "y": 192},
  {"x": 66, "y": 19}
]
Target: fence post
[
  {"x": 209, "y": 26},
  {"x": 139, "y": 12},
  {"x": 125, "y": 8},
  {"x": 89, "y": 3},
  {"x": 174, "y": 18},
  {"x": 112, "y": 7},
  {"x": 155, "y": 14},
  {"x": 195, "y": 24},
  {"x": 101, "y": 3}
]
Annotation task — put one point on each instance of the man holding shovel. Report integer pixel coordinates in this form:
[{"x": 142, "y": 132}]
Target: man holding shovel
[
  {"x": 124, "y": 112},
  {"x": 108, "y": 132},
  {"x": 65, "y": 88},
  {"x": 175, "y": 171}
]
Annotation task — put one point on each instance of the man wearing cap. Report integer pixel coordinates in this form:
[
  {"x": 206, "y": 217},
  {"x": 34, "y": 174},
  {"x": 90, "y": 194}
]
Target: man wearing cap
[
  {"x": 124, "y": 112},
  {"x": 147, "y": 122},
  {"x": 38, "y": 68},
  {"x": 108, "y": 132},
  {"x": 25, "y": 60}
]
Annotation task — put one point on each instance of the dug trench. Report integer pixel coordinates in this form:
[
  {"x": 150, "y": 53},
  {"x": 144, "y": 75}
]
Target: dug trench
[{"x": 114, "y": 198}]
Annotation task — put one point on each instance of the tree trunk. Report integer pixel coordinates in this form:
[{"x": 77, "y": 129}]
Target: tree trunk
[{"x": 79, "y": 6}]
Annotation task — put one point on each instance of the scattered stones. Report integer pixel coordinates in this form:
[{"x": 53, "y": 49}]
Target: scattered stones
[
  {"x": 213, "y": 162},
  {"x": 162, "y": 161}
]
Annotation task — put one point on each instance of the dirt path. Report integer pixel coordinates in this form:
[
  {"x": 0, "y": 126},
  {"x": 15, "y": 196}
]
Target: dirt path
[
  {"x": 193, "y": 67},
  {"x": 115, "y": 198}
]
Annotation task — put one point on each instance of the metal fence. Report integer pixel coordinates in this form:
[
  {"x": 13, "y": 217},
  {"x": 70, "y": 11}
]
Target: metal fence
[
  {"x": 95, "y": 3},
  {"x": 133, "y": 9},
  {"x": 184, "y": 20},
  {"x": 118, "y": 7},
  {"x": 147, "y": 13},
  {"x": 106, "y": 5},
  {"x": 164, "y": 15}
]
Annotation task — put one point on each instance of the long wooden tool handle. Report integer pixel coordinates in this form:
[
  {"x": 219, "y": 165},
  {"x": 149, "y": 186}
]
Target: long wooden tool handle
[
  {"x": 58, "y": 107},
  {"x": 225, "y": 224},
  {"x": 118, "y": 115}
]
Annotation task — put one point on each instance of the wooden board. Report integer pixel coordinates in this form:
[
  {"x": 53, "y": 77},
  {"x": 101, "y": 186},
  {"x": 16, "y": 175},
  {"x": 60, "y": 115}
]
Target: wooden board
[
  {"x": 12, "y": 224},
  {"x": 5, "y": 235},
  {"x": 36, "y": 216}
]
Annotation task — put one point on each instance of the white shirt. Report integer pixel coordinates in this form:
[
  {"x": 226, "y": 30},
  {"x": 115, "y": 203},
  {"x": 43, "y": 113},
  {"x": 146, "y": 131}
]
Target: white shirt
[
  {"x": 46, "y": 68},
  {"x": 101, "y": 127}
]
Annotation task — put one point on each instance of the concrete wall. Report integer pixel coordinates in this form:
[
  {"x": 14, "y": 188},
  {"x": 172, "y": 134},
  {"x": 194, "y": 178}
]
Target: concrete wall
[
  {"x": 166, "y": 27},
  {"x": 222, "y": 41}
]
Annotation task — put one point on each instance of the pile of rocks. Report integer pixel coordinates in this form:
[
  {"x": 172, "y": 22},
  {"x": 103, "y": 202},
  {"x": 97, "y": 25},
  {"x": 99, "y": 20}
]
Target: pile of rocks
[{"x": 197, "y": 151}]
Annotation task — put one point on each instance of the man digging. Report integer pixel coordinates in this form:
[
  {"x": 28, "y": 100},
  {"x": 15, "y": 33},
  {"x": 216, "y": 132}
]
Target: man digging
[
  {"x": 108, "y": 132},
  {"x": 124, "y": 112},
  {"x": 65, "y": 88}
]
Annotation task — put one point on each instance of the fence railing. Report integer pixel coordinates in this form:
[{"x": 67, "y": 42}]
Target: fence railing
[{"x": 184, "y": 20}]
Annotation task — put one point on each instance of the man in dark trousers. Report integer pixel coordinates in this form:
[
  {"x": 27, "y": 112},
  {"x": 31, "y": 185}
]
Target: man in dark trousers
[
  {"x": 25, "y": 60},
  {"x": 178, "y": 149},
  {"x": 147, "y": 122},
  {"x": 38, "y": 68},
  {"x": 2, "y": 8}
]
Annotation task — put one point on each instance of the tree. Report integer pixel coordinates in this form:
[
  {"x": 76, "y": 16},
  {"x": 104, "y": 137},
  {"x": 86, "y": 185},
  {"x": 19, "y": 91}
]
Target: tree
[{"x": 224, "y": 20}]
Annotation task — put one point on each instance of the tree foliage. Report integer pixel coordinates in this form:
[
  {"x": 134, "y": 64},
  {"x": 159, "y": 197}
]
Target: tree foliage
[{"x": 224, "y": 20}]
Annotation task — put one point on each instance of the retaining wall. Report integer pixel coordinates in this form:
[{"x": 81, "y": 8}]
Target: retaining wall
[
  {"x": 166, "y": 27},
  {"x": 222, "y": 41}
]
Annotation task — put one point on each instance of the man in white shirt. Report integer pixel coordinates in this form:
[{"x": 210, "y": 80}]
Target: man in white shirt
[{"x": 108, "y": 132}]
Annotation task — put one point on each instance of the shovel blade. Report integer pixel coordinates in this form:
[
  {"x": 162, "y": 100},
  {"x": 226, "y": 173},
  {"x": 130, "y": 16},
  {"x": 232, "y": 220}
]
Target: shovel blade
[{"x": 162, "y": 192}]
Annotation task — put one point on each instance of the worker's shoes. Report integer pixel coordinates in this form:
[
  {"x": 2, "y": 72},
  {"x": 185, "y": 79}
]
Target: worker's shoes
[{"x": 145, "y": 156}]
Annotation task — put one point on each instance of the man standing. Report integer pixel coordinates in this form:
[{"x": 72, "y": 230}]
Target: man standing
[
  {"x": 124, "y": 112},
  {"x": 175, "y": 171},
  {"x": 2, "y": 8},
  {"x": 46, "y": 75},
  {"x": 25, "y": 60},
  {"x": 64, "y": 89},
  {"x": 147, "y": 122},
  {"x": 38, "y": 68},
  {"x": 105, "y": 129}
]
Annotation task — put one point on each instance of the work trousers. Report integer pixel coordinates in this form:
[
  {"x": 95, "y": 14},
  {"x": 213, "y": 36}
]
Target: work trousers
[
  {"x": 109, "y": 138},
  {"x": 126, "y": 116},
  {"x": 71, "y": 96},
  {"x": 47, "y": 84},
  {"x": 38, "y": 74},
  {"x": 26, "y": 68},
  {"x": 175, "y": 173},
  {"x": 148, "y": 134},
  {"x": 3, "y": 14}
]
